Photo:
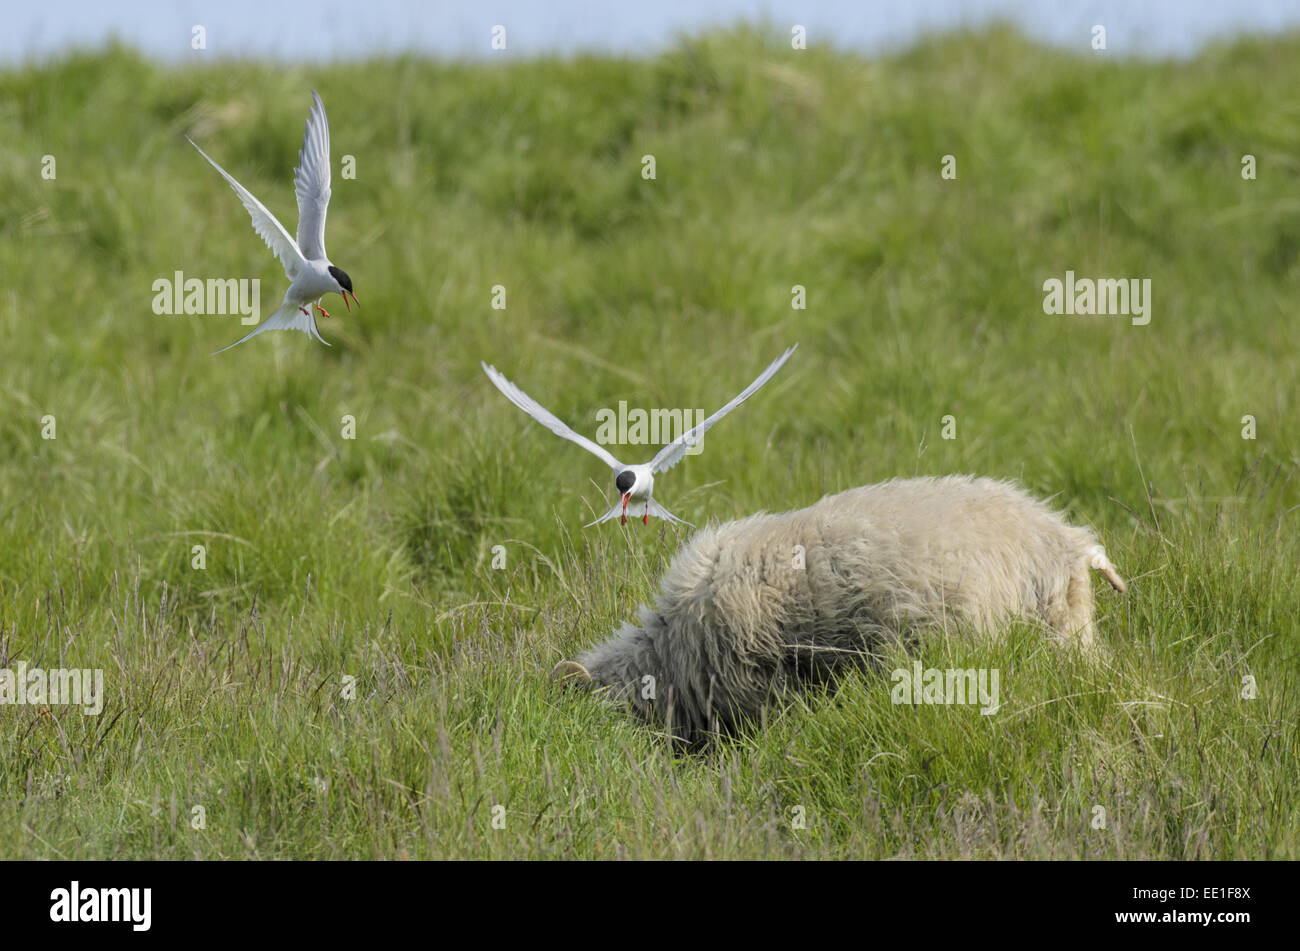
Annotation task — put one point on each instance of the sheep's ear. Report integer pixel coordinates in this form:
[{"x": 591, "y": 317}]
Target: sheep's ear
[{"x": 571, "y": 673}]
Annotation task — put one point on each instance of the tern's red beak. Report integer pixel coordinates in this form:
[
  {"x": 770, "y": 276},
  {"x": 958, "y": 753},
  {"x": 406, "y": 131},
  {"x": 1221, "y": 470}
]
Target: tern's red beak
[{"x": 344, "y": 294}]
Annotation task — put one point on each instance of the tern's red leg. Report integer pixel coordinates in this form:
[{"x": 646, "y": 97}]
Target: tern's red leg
[
  {"x": 645, "y": 519},
  {"x": 322, "y": 310},
  {"x": 305, "y": 311}
]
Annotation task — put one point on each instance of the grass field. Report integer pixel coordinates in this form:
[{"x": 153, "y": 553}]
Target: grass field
[{"x": 372, "y": 558}]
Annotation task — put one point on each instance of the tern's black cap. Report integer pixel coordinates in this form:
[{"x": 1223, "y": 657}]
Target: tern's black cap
[
  {"x": 345, "y": 282},
  {"x": 626, "y": 479}
]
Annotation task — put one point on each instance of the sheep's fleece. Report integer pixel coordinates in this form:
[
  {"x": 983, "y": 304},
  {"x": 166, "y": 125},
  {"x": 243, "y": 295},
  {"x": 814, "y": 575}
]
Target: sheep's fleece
[{"x": 751, "y": 608}]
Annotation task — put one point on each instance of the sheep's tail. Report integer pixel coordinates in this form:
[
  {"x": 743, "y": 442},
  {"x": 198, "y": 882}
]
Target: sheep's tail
[{"x": 1098, "y": 561}]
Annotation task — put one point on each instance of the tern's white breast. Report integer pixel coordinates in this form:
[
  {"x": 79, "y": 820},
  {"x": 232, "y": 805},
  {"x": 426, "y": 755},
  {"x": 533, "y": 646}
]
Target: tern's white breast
[
  {"x": 315, "y": 281},
  {"x": 644, "y": 484}
]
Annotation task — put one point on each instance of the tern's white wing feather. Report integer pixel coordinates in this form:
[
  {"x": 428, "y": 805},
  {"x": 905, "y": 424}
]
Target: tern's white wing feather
[
  {"x": 264, "y": 223},
  {"x": 311, "y": 181},
  {"x": 672, "y": 453},
  {"x": 538, "y": 412}
]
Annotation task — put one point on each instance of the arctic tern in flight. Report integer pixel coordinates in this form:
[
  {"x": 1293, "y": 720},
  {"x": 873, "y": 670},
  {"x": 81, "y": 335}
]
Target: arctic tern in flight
[
  {"x": 635, "y": 483},
  {"x": 310, "y": 272}
]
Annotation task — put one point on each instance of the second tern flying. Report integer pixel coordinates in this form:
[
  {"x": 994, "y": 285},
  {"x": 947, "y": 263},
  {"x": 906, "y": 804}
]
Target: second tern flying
[
  {"x": 311, "y": 274},
  {"x": 635, "y": 483}
]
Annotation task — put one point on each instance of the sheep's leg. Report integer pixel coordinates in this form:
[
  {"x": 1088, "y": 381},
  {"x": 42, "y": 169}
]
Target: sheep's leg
[
  {"x": 1067, "y": 609},
  {"x": 1079, "y": 607}
]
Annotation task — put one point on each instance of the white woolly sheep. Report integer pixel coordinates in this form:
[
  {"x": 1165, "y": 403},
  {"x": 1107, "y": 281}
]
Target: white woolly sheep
[{"x": 772, "y": 603}]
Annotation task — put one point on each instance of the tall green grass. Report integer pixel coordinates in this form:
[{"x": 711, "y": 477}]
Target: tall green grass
[{"x": 373, "y": 558}]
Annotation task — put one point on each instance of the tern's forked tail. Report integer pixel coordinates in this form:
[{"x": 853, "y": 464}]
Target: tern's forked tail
[
  {"x": 657, "y": 510},
  {"x": 288, "y": 317}
]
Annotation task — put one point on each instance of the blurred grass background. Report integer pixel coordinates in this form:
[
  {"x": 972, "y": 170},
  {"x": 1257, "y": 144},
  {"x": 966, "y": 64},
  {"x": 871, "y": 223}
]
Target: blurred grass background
[{"x": 372, "y": 557}]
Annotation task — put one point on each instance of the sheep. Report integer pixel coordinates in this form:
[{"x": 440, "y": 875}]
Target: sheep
[{"x": 775, "y": 603}]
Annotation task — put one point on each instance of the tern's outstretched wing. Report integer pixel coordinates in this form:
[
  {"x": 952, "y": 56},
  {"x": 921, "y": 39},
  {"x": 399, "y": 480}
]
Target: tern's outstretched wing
[
  {"x": 264, "y": 223},
  {"x": 672, "y": 453},
  {"x": 530, "y": 406},
  {"x": 311, "y": 182}
]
